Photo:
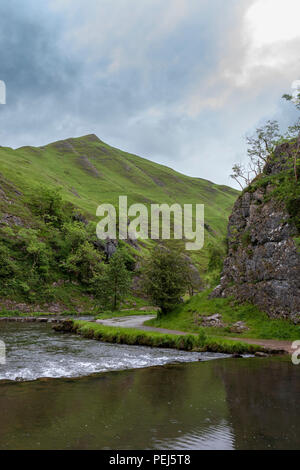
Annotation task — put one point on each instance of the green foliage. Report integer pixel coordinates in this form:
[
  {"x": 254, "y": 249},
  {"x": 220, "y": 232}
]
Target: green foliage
[
  {"x": 287, "y": 191},
  {"x": 86, "y": 183},
  {"x": 297, "y": 243},
  {"x": 128, "y": 258},
  {"x": 8, "y": 267},
  {"x": 84, "y": 262},
  {"x": 48, "y": 204},
  {"x": 36, "y": 251},
  {"x": 294, "y": 99},
  {"x": 114, "y": 283},
  {"x": 165, "y": 276},
  {"x": 216, "y": 256},
  {"x": 283, "y": 186},
  {"x": 261, "y": 145},
  {"x": 55, "y": 260},
  {"x": 74, "y": 235}
]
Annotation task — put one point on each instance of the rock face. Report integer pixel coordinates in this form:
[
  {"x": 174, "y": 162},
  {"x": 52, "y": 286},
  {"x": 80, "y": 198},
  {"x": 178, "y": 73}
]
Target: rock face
[{"x": 263, "y": 264}]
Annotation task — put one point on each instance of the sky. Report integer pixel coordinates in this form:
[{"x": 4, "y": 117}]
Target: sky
[{"x": 180, "y": 82}]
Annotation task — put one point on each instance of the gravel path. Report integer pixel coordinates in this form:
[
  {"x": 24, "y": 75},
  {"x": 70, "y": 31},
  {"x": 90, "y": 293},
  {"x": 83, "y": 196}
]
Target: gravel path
[
  {"x": 269, "y": 343},
  {"x": 137, "y": 321}
]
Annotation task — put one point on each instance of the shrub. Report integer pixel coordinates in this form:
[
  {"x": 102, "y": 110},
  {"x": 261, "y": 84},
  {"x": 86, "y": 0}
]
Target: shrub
[{"x": 48, "y": 204}]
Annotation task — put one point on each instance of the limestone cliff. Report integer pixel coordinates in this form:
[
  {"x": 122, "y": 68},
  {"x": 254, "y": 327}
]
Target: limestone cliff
[{"x": 263, "y": 261}]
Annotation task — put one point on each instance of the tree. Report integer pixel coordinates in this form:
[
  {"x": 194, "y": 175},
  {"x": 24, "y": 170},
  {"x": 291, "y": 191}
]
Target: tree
[
  {"x": 113, "y": 285},
  {"x": 260, "y": 146},
  {"x": 84, "y": 262},
  {"x": 295, "y": 98},
  {"x": 48, "y": 204},
  {"x": 74, "y": 234},
  {"x": 166, "y": 277},
  {"x": 240, "y": 173},
  {"x": 35, "y": 250}
]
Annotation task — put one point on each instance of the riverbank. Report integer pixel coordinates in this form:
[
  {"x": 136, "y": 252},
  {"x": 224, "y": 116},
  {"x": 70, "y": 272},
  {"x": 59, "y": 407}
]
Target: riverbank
[
  {"x": 142, "y": 323},
  {"x": 185, "y": 342},
  {"x": 226, "y": 317}
]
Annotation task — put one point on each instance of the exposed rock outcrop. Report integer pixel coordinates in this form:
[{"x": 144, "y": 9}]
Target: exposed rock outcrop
[
  {"x": 9, "y": 219},
  {"x": 263, "y": 262}
]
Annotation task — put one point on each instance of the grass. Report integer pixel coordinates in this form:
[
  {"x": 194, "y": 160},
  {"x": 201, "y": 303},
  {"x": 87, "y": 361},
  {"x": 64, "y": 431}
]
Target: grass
[
  {"x": 90, "y": 172},
  {"x": 87, "y": 172},
  {"x": 153, "y": 339},
  {"x": 187, "y": 317}
]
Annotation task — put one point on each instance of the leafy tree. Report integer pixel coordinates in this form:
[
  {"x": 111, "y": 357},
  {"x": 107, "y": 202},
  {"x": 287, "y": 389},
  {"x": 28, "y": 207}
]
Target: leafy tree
[
  {"x": 8, "y": 266},
  {"x": 166, "y": 277},
  {"x": 74, "y": 235},
  {"x": 48, "y": 204},
  {"x": 260, "y": 146},
  {"x": 241, "y": 173},
  {"x": 216, "y": 256},
  {"x": 113, "y": 285},
  {"x": 84, "y": 262},
  {"x": 294, "y": 98},
  {"x": 36, "y": 251}
]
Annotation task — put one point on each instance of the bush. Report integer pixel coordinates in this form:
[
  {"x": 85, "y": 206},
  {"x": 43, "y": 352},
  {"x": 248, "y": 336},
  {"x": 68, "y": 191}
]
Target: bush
[
  {"x": 48, "y": 204},
  {"x": 84, "y": 262}
]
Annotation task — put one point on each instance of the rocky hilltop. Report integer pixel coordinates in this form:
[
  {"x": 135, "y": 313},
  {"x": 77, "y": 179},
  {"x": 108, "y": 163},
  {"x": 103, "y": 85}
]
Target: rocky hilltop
[{"x": 263, "y": 261}]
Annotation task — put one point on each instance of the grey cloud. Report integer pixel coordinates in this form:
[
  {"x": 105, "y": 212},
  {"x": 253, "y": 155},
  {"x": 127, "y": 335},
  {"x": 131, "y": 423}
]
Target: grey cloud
[{"x": 163, "y": 79}]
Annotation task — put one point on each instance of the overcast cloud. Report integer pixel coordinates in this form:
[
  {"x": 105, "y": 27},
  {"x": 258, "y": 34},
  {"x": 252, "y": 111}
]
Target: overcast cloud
[{"x": 177, "y": 81}]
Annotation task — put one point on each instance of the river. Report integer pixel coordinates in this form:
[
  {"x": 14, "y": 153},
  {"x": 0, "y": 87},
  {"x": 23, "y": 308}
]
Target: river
[{"x": 103, "y": 396}]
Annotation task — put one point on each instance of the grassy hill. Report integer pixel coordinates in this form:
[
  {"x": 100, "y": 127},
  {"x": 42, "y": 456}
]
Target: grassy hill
[{"x": 87, "y": 173}]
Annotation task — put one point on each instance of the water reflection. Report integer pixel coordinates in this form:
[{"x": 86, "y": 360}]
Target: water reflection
[
  {"x": 250, "y": 403},
  {"x": 222, "y": 404},
  {"x": 263, "y": 401}
]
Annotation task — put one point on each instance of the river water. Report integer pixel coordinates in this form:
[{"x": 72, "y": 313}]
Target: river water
[
  {"x": 35, "y": 351},
  {"x": 102, "y": 396}
]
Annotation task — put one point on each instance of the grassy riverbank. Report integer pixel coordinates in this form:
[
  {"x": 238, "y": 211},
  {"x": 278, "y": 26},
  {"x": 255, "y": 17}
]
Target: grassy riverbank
[
  {"x": 131, "y": 336},
  {"x": 188, "y": 317}
]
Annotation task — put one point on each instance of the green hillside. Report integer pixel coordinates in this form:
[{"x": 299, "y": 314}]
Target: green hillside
[{"x": 87, "y": 173}]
